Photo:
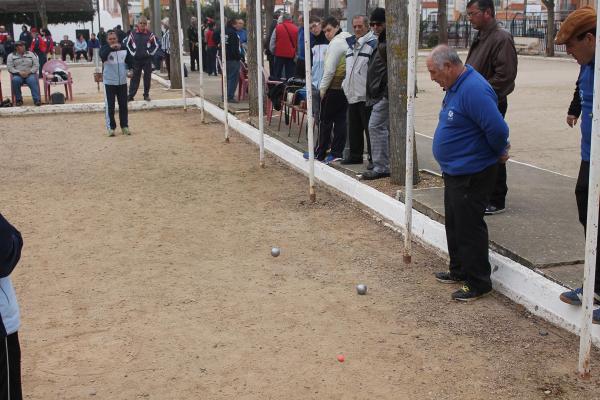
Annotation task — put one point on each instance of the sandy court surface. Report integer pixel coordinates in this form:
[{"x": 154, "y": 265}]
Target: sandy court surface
[
  {"x": 147, "y": 273},
  {"x": 85, "y": 90}
]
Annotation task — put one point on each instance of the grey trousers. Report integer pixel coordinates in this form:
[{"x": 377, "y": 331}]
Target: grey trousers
[{"x": 379, "y": 131}]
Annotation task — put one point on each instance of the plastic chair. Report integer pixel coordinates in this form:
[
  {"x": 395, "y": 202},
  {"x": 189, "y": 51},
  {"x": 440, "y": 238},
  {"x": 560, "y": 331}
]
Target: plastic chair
[
  {"x": 48, "y": 73},
  {"x": 243, "y": 82}
]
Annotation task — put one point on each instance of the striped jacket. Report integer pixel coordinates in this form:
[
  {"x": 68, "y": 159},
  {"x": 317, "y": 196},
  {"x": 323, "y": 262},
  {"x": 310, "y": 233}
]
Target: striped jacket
[
  {"x": 357, "y": 63},
  {"x": 166, "y": 41}
]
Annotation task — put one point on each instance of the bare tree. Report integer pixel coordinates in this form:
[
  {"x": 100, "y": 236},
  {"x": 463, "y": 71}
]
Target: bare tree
[
  {"x": 269, "y": 6},
  {"x": 252, "y": 59},
  {"x": 42, "y": 10},
  {"x": 124, "y": 4},
  {"x": 442, "y": 20},
  {"x": 176, "y": 78},
  {"x": 550, "y": 31}
]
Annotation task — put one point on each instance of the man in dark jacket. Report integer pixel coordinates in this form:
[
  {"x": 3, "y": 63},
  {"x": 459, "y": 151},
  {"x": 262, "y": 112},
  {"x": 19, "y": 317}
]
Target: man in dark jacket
[
  {"x": 192, "y": 35},
  {"x": 233, "y": 54},
  {"x": 377, "y": 97},
  {"x": 493, "y": 55},
  {"x": 142, "y": 45}
]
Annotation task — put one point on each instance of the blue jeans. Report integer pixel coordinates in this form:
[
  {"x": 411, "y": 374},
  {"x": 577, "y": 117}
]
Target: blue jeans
[
  {"x": 31, "y": 81},
  {"x": 233, "y": 77}
]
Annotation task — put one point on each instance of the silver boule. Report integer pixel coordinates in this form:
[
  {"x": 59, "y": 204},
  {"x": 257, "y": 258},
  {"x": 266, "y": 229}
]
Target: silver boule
[
  {"x": 275, "y": 251},
  {"x": 361, "y": 289}
]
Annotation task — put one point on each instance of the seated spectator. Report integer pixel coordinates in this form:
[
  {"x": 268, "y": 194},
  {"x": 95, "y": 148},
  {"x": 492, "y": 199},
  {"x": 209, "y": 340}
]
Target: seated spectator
[
  {"x": 23, "y": 66},
  {"x": 92, "y": 44},
  {"x": 66, "y": 48},
  {"x": 81, "y": 48},
  {"x": 3, "y": 37}
]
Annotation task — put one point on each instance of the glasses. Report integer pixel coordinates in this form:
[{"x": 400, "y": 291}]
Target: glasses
[
  {"x": 375, "y": 24},
  {"x": 473, "y": 13}
]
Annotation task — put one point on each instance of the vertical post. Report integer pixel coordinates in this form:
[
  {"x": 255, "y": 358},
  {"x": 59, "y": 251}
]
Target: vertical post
[
  {"x": 200, "y": 62},
  {"x": 309, "y": 102},
  {"x": 181, "y": 63},
  {"x": 591, "y": 235},
  {"x": 224, "y": 70},
  {"x": 413, "y": 38},
  {"x": 98, "y": 8},
  {"x": 259, "y": 73}
]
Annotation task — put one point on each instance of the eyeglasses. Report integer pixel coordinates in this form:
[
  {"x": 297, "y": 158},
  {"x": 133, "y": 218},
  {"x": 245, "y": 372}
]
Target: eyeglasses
[
  {"x": 376, "y": 24},
  {"x": 473, "y": 13}
]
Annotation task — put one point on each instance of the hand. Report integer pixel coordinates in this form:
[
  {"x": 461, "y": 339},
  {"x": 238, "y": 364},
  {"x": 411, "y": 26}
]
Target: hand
[
  {"x": 504, "y": 157},
  {"x": 571, "y": 120},
  {"x": 24, "y": 74},
  {"x": 130, "y": 74}
]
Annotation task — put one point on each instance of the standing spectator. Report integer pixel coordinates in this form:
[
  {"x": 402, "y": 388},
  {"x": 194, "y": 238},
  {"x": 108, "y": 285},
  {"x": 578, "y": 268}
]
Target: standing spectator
[
  {"x": 81, "y": 48},
  {"x": 67, "y": 48},
  {"x": 11, "y": 244},
  {"x": 267, "y": 44},
  {"x": 202, "y": 34},
  {"x": 23, "y": 67},
  {"x": 166, "y": 41},
  {"x": 120, "y": 34},
  {"x": 26, "y": 36},
  {"x": 300, "y": 51},
  {"x": 3, "y": 37},
  {"x": 116, "y": 61},
  {"x": 578, "y": 33},
  {"x": 49, "y": 43},
  {"x": 93, "y": 43},
  {"x": 39, "y": 47},
  {"x": 243, "y": 35},
  {"x": 319, "y": 44},
  {"x": 192, "y": 34},
  {"x": 211, "y": 49},
  {"x": 493, "y": 55},
  {"x": 332, "y": 114},
  {"x": 377, "y": 98},
  {"x": 142, "y": 45},
  {"x": 283, "y": 46},
  {"x": 102, "y": 36},
  {"x": 470, "y": 138},
  {"x": 360, "y": 49},
  {"x": 234, "y": 55}
]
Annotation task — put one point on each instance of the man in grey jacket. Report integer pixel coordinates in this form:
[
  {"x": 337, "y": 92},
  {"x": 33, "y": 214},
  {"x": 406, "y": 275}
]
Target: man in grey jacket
[
  {"x": 360, "y": 48},
  {"x": 23, "y": 67}
]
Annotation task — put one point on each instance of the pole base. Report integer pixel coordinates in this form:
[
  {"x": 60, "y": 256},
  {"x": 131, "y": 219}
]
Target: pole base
[
  {"x": 584, "y": 376},
  {"x": 407, "y": 259},
  {"x": 226, "y": 140},
  {"x": 313, "y": 197},
  {"x": 262, "y": 164}
]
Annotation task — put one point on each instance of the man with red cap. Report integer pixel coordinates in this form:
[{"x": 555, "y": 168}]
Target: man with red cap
[{"x": 578, "y": 34}]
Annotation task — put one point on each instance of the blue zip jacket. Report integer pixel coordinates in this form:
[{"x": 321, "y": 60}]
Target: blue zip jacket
[
  {"x": 11, "y": 244},
  {"x": 586, "y": 93},
  {"x": 115, "y": 65},
  {"x": 471, "y": 134}
]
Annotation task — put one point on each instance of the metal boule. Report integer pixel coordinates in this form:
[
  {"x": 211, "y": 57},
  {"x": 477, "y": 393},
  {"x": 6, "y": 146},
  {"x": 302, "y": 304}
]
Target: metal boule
[
  {"x": 275, "y": 251},
  {"x": 361, "y": 289}
]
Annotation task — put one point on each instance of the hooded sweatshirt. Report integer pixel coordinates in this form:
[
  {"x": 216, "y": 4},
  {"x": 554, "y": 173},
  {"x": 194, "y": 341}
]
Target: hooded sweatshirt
[{"x": 335, "y": 63}]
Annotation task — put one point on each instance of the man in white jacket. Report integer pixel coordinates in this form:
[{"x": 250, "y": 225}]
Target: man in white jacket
[
  {"x": 333, "y": 101},
  {"x": 360, "y": 49}
]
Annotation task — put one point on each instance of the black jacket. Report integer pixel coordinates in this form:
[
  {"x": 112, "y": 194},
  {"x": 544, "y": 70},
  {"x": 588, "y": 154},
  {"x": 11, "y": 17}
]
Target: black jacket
[
  {"x": 232, "y": 43},
  {"x": 377, "y": 77},
  {"x": 11, "y": 244}
]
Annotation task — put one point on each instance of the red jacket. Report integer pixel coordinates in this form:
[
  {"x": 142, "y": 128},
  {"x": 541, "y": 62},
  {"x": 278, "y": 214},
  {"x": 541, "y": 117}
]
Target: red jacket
[
  {"x": 209, "y": 37},
  {"x": 286, "y": 39}
]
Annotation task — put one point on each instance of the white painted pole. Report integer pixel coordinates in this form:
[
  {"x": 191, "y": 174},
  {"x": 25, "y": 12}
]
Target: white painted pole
[
  {"x": 259, "y": 59},
  {"x": 591, "y": 236},
  {"x": 309, "y": 102},
  {"x": 201, "y": 66},
  {"x": 180, "y": 33},
  {"x": 224, "y": 70},
  {"x": 413, "y": 38}
]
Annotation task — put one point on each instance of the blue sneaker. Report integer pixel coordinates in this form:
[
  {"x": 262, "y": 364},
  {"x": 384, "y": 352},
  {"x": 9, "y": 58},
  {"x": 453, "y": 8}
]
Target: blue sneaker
[
  {"x": 305, "y": 155},
  {"x": 574, "y": 297},
  {"x": 330, "y": 159},
  {"x": 596, "y": 317}
]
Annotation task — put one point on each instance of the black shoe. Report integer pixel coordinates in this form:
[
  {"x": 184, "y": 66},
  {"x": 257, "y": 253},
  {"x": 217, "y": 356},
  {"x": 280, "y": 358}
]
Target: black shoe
[
  {"x": 38, "y": 103},
  {"x": 370, "y": 165},
  {"x": 465, "y": 293},
  {"x": 448, "y": 277},
  {"x": 19, "y": 103},
  {"x": 492, "y": 210},
  {"x": 234, "y": 101},
  {"x": 372, "y": 175},
  {"x": 147, "y": 97},
  {"x": 130, "y": 98},
  {"x": 348, "y": 161}
]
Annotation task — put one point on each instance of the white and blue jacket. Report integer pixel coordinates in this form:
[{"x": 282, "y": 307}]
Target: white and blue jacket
[
  {"x": 357, "y": 64},
  {"x": 115, "y": 65}
]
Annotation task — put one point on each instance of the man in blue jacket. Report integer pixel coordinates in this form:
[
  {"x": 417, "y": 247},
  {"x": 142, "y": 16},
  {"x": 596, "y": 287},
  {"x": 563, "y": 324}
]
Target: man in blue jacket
[
  {"x": 116, "y": 63},
  {"x": 578, "y": 33},
  {"x": 470, "y": 139},
  {"x": 141, "y": 44}
]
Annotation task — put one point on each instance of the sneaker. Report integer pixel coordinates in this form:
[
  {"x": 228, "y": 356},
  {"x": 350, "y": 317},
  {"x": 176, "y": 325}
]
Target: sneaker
[
  {"x": 493, "y": 210},
  {"x": 448, "y": 277},
  {"x": 574, "y": 297},
  {"x": 596, "y": 316},
  {"x": 331, "y": 159},
  {"x": 370, "y": 166},
  {"x": 372, "y": 175},
  {"x": 125, "y": 131},
  {"x": 349, "y": 161},
  {"x": 465, "y": 293},
  {"x": 147, "y": 97},
  {"x": 38, "y": 103},
  {"x": 130, "y": 98},
  {"x": 19, "y": 103},
  {"x": 111, "y": 132}
]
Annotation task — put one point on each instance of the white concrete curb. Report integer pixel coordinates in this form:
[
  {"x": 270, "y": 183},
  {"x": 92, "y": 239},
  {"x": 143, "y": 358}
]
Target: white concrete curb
[{"x": 519, "y": 283}]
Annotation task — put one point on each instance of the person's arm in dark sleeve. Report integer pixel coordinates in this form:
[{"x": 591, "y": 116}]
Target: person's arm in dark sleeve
[
  {"x": 575, "y": 107},
  {"x": 105, "y": 52},
  {"x": 129, "y": 61},
  {"x": 11, "y": 244},
  {"x": 505, "y": 68}
]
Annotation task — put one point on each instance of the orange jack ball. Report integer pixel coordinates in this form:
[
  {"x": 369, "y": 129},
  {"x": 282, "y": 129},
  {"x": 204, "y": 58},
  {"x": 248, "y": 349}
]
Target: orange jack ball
[{"x": 341, "y": 358}]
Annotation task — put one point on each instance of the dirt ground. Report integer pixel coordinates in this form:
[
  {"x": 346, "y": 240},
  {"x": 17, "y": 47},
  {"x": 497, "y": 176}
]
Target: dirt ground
[{"x": 147, "y": 274}]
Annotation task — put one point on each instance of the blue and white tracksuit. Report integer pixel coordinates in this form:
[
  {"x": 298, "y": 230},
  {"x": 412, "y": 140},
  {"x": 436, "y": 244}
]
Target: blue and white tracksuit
[{"x": 116, "y": 63}]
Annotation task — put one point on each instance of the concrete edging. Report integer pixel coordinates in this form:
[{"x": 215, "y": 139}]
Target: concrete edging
[{"x": 522, "y": 285}]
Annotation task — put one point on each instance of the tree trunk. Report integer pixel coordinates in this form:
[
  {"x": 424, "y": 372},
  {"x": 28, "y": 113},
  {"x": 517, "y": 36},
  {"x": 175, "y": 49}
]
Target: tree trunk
[
  {"x": 396, "y": 22},
  {"x": 185, "y": 23},
  {"x": 550, "y": 31},
  {"x": 175, "y": 56},
  {"x": 41, "y": 6},
  {"x": 124, "y": 4},
  {"x": 296, "y": 11},
  {"x": 252, "y": 58},
  {"x": 442, "y": 20},
  {"x": 269, "y": 6},
  {"x": 326, "y": 8}
]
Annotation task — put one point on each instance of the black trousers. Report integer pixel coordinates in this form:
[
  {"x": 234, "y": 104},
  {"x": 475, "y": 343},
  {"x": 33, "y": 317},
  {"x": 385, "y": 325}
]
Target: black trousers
[
  {"x": 64, "y": 52},
  {"x": 138, "y": 67},
  {"x": 358, "y": 128},
  {"x": 498, "y": 197},
  {"x": 581, "y": 196},
  {"x": 332, "y": 117},
  {"x": 120, "y": 92},
  {"x": 465, "y": 200},
  {"x": 211, "y": 60},
  {"x": 10, "y": 368},
  {"x": 168, "y": 65},
  {"x": 195, "y": 57}
]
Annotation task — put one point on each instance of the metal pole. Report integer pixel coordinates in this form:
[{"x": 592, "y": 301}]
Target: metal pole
[
  {"x": 98, "y": 8},
  {"x": 259, "y": 73},
  {"x": 200, "y": 62},
  {"x": 309, "y": 101},
  {"x": 224, "y": 70},
  {"x": 413, "y": 9},
  {"x": 591, "y": 236},
  {"x": 180, "y": 33}
]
